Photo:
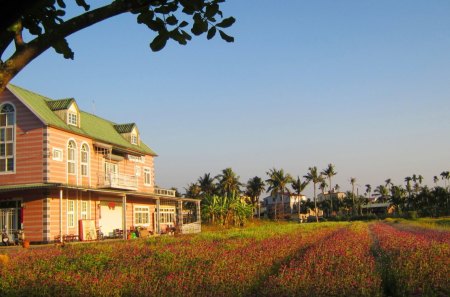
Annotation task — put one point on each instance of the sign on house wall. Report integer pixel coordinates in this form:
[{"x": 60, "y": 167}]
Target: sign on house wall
[{"x": 136, "y": 159}]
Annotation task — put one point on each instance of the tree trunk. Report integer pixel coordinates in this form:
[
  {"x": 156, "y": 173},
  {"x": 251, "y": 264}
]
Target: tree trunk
[{"x": 315, "y": 204}]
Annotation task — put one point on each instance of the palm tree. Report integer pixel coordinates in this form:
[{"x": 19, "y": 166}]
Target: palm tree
[
  {"x": 255, "y": 186},
  {"x": 322, "y": 186},
  {"x": 206, "y": 183},
  {"x": 420, "y": 179},
  {"x": 329, "y": 172},
  {"x": 389, "y": 183},
  {"x": 193, "y": 191},
  {"x": 368, "y": 190},
  {"x": 314, "y": 177},
  {"x": 408, "y": 180},
  {"x": 228, "y": 182},
  {"x": 382, "y": 192},
  {"x": 435, "y": 179},
  {"x": 352, "y": 182},
  {"x": 278, "y": 182},
  {"x": 298, "y": 186},
  {"x": 397, "y": 197},
  {"x": 445, "y": 177}
]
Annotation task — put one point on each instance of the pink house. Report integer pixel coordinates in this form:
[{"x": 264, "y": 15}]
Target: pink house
[{"x": 67, "y": 173}]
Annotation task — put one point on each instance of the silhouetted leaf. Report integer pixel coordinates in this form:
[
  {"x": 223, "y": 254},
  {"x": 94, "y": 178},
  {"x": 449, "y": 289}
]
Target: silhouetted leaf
[
  {"x": 62, "y": 47},
  {"x": 61, "y": 3},
  {"x": 83, "y": 4},
  {"x": 145, "y": 17},
  {"x": 177, "y": 36},
  {"x": 226, "y": 37},
  {"x": 172, "y": 20},
  {"x": 211, "y": 32},
  {"x": 199, "y": 27},
  {"x": 226, "y": 22},
  {"x": 159, "y": 42},
  {"x": 211, "y": 10}
]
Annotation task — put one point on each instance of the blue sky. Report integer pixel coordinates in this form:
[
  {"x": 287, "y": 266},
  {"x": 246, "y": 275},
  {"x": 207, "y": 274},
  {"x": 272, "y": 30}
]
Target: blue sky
[{"x": 364, "y": 85}]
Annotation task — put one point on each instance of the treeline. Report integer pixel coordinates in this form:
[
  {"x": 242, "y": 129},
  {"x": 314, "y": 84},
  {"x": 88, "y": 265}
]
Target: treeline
[{"x": 228, "y": 201}]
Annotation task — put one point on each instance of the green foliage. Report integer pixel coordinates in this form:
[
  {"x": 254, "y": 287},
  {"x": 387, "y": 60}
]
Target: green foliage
[{"x": 226, "y": 210}]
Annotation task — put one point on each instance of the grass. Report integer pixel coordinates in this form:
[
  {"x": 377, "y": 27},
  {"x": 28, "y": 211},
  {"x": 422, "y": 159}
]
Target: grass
[{"x": 430, "y": 223}]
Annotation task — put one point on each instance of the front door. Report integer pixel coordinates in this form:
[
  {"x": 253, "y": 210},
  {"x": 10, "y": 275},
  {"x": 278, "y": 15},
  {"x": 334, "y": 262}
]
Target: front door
[{"x": 110, "y": 217}]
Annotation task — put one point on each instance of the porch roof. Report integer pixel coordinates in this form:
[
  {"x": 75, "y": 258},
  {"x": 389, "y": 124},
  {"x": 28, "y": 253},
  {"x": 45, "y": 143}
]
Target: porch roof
[
  {"x": 18, "y": 187},
  {"x": 33, "y": 186}
]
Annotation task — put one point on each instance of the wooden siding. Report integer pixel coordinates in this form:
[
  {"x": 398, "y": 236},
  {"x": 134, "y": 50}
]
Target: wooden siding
[
  {"x": 29, "y": 145},
  {"x": 59, "y": 139}
]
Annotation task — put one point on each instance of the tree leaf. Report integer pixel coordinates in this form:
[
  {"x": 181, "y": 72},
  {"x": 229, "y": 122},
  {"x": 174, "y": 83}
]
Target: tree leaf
[
  {"x": 211, "y": 10},
  {"x": 177, "y": 36},
  {"x": 61, "y": 3},
  {"x": 62, "y": 47},
  {"x": 186, "y": 35},
  {"x": 159, "y": 42},
  {"x": 199, "y": 27},
  {"x": 183, "y": 24},
  {"x": 83, "y": 4},
  {"x": 211, "y": 32},
  {"x": 226, "y": 22},
  {"x": 145, "y": 17},
  {"x": 172, "y": 20},
  {"x": 226, "y": 37}
]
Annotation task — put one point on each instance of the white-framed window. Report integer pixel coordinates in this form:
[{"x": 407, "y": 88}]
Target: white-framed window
[
  {"x": 84, "y": 160},
  {"x": 71, "y": 213},
  {"x": 84, "y": 210},
  {"x": 137, "y": 170},
  {"x": 72, "y": 119},
  {"x": 71, "y": 157},
  {"x": 134, "y": 139},
  {"x": 7, "y": 138},
  {"x": 147, "y": 176},
  {"x": 141, "y": 215},
  {"x": 57, "y": 154},
  {"x": 167, "y": 215}
]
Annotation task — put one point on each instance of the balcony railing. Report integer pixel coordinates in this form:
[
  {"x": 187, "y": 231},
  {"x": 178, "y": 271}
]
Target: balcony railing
[
  {"x": 164, "y": 192},
  {"x": 118, "y": 181}
]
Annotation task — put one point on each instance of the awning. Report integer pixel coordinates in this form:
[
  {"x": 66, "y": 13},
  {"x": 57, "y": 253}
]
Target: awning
[{"x": 9, "y": 188}]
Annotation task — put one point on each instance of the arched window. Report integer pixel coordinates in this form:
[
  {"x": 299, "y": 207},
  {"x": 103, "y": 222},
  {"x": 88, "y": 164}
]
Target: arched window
[
  {"x": 71, "y": 157},
  {"x": 85, "y": 160},
  {"x": 7, "y": 138}
]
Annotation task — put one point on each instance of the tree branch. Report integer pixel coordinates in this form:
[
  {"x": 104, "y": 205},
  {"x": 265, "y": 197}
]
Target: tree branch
[{"x": 37, "y": 46}]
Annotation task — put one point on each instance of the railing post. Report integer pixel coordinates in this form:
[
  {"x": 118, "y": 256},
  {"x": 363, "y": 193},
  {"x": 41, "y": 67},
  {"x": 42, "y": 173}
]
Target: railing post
[
  {"x": 158, "y": 227},
  {"x": 124, "y": 216},
  {"x": 180, "y": 215}
]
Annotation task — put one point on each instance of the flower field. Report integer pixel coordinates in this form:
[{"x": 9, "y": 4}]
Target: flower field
[{"x": 272, "y": 259}]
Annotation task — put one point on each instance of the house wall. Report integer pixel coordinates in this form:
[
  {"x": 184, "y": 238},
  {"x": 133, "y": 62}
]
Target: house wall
[
  {"x": 57, "y": 170},
  {"x": 29, "y": 166}
]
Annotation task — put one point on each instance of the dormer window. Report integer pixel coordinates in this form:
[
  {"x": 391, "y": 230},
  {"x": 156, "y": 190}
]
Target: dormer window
[
  {"x": 72, "y": 119},
  {"x": 134, "y": 139}
]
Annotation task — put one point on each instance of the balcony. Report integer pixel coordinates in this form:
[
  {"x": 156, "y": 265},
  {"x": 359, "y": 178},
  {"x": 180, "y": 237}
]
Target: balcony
[
  {"x": 118, "y": 181},
  {"x": 164, "y": 192}
]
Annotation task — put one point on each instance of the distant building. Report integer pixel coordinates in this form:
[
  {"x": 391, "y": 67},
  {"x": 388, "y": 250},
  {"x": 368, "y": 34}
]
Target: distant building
[
  {"x": 287, "y": 205},
  {"x": 332, "y": 194}
]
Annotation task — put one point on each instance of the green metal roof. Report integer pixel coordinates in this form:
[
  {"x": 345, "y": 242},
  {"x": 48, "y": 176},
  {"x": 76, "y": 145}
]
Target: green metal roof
[
  {"x": 125, "y": 128},
  {"x": 92, "y": 126},
  {"x": 60, "y": 104}
]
